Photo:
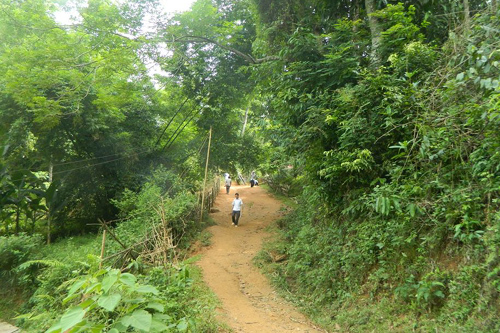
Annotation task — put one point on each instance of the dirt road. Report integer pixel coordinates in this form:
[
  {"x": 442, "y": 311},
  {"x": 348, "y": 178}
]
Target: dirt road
[{"x": 249, "y": 304}]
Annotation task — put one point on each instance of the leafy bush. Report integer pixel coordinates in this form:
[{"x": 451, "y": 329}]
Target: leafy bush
[
  {"x": 111, "y": 301},
  {"x": 16, "y": 249},
  {"x": 400, "y": 188},
  {"x": 426, "y": 293}
]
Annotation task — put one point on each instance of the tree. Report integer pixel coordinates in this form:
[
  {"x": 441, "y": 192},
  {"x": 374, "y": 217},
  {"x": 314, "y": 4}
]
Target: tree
[
  {"x": 212, "y": 45},
  {"x": 374, "y": 28},
  {"x": 79, "y": 98}
]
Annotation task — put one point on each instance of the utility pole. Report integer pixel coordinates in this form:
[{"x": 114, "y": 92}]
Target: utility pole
[{"x": 206, "y": 172}]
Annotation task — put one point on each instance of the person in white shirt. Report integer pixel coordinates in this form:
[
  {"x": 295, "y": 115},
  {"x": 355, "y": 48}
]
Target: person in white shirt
[
  {"x": 237, "y": 205},
  {"x": 228, "y": 184}
]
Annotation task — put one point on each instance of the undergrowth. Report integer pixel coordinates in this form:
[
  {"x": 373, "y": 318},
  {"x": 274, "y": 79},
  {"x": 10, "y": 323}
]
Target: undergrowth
[
  {"x": 397, "y": 221},
  {"x": 66, "y": 287}
]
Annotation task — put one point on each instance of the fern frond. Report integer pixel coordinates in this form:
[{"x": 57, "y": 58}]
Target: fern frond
[{"x": 41, "y": 262}]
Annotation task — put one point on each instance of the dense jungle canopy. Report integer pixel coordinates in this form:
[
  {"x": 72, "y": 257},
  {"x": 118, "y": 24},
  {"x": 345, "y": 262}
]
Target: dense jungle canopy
[{"x": 378, "y": 119}]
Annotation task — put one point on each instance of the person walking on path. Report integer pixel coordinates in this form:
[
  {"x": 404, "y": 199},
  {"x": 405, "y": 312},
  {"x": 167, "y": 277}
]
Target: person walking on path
[
  {"x": 228, "y": 184},
  {"x": 237, "y": 205}
]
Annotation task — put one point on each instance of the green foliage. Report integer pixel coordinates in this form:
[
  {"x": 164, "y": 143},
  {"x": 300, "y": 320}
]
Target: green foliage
[
  {"x": 163, "y": 200},
  {"x": 426, "y": 293},
  {"x": 398, "y": 28},
  {"x": 394, "y": 163},
  {"x": 63, "y": 289},
  {"x": 117, "y": 299},
  {"x": 16, "y": 250},
  {"x": 399, "y": 173}
]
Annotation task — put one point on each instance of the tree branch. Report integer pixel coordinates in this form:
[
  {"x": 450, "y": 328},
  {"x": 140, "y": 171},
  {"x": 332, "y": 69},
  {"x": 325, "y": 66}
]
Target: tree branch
[{"x": 247, "y": 57}]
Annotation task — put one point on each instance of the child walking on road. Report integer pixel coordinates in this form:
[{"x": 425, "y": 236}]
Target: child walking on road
[{"x": 237, "y": 205}]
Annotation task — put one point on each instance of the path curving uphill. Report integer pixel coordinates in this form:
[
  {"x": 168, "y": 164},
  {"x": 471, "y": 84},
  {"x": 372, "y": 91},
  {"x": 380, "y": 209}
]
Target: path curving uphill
[{"x": 249, "y": 304}]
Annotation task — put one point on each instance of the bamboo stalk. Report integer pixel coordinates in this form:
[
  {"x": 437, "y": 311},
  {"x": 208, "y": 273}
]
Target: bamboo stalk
[
  {"x": 102, "y": 247},
  {"x": 206, "y": 171}
]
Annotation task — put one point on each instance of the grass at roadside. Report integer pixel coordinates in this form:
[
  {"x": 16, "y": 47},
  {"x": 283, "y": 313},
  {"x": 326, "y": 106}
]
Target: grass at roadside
[
  {"x": 287, "y": 201},
  {"x": 201, "y": 294},
  {"x": 41, "y": 285}
]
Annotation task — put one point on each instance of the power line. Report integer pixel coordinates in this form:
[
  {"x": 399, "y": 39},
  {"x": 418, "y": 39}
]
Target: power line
[
  {"x": 101, "y": 163},
  {"x": 180, "y": 127},
  {"x": 133, "y": 152},
  {"x": 90, "y": 165},
  {"x": 171, "y": 119}
]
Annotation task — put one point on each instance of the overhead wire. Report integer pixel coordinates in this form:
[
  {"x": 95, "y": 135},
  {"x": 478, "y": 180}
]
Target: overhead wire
[
  {"x": 171, "y": 119},
  {"x": 186, "y": 169},
  {"x": 96, "y": 164},
  {"x": 181, "y": 130},
  {"x": 167, "y": 145},
  {"x": 133, "y": 152},
  {"x": 174, "y": 135}
]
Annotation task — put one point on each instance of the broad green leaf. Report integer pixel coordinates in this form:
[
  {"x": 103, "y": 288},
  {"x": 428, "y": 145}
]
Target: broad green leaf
[
  {"x": 69, "y": 298},
  {"x": 128, "y": 279},
  {"x": 96, "y": 286},
  {"x": 387, "y": 206},
  {"x": 162, "y": 317},
  {"x": 108, "y": 282},
  {"x": 122, "y": 324},
  {"x": 182, "y": 325},
  {"x": 77, "y": 285},
  {"x": 158, "y": 326},
  {"x": 97, "y": 328},
  {"x": 460, "y": 76},
  {"x": 87, "y": 304},
  {"x": 71, "y": 318},
  {"x": 141, "y": 319},
  {"x": 411, "y": 209},
  {"x": 156, "y": 306},
  {"x": 101, "y": 272},
  {"x": 109, "y": 302},
  {"x": 147, "y": 289},
  {"x": 125, "y": 321},
  {"x": 54, "y": 328}
]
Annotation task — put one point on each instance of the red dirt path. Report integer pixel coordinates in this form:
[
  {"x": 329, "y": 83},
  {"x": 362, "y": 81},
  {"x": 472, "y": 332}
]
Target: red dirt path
[{"x": 249, "y": 304}]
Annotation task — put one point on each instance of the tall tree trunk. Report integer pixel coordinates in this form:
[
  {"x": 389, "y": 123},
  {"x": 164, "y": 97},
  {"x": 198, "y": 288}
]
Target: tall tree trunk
[
  {"x": 245, "y": 121},
  {"x": 51, "y": 169},
  {"x": 18, "y": 216},
  {"x": 355, "y": 14},
  {"x": 466, "y": 14},
  {"x": 370, "y": 7}
]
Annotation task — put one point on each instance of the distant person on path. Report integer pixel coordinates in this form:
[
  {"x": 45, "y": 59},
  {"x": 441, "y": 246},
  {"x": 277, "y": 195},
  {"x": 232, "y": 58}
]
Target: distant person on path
[
  {"x": 228, "y": 184},
  {"x": 237, "y": 205},
  {"x": 253, "y": 180}
]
